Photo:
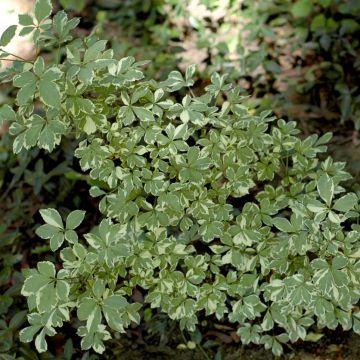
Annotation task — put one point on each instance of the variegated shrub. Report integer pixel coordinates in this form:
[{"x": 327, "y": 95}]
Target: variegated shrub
[{"x": 211, "y": 210}]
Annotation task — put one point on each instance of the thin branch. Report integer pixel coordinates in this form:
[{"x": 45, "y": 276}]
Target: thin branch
[
  {"x": 191, "y": 92},
  {"x": 6, "y": 59},
  {"x": 16, "y": 56},
  {"x": 203, "y": 352}
]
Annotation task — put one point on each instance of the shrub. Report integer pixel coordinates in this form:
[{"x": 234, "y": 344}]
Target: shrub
[
  {"x": 312, "y": 49},
  {"x": 211, "y": 210},
  {"x": 300, "y": 57}
]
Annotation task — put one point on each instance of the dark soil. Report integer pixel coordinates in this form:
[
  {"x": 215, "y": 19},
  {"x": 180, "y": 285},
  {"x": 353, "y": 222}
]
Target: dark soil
[{"x": 335, "y": 345}]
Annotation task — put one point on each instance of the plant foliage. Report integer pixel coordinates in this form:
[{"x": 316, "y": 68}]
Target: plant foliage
[
  {"x": 300, "y": 57},
  {"x": 206, "y": 206}
]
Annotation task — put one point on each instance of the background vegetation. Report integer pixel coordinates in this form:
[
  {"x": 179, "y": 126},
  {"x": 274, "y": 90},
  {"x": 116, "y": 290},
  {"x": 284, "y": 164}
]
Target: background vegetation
[{"x": 301, "y": 58}]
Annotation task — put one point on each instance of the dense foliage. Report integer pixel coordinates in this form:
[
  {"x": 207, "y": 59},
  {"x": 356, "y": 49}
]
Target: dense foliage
[
  {"x": 210, "y": 209},
  {"x": 314, "y": 51},
  {"x": 296, "y": 56}
]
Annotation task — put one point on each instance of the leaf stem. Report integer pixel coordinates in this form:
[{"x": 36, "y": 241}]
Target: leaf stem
[
  {"x": 18, "y": 58},
  {"x": 58, "y": 54},
  {"x": 191, "y": 92},
  {"x": 204, "y": 352}
]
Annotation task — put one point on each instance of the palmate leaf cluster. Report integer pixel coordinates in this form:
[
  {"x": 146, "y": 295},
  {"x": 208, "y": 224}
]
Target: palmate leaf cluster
[{"x": 210, "y": 209}]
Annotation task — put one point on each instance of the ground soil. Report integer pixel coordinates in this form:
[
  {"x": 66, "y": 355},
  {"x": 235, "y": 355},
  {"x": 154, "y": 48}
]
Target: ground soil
[{"x": 334, "y": 345}]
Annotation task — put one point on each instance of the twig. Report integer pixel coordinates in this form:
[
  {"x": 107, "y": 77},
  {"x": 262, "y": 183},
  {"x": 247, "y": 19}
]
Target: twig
[
  {"x": 16, "y": 56},
  {"x": 191, "y": 92},
  {"x": 204, "y": 352},
  {"x": 6, "y": 59}
]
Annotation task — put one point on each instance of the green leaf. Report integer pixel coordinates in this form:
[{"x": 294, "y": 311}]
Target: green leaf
[
  {"x": 326, "y": 188},
  {"x": 211, "y": 230},
  {"x": 26, "y": 30},
  {"x": 143, "y": 114},
  {"x": 47, "y": 138},
  {"x": 7, "y": 114},
  {"x": 113, "y": 318},
  {"x": 318, "y": 22},
  {"x": 26, "y": 93},
  {"x": 86, "y": 75},
  {"x": 43, "y": 10},
  {"x": 32, "y": 134},
  {"x": 40, "y": 342},
  {"x": 27, "y": 334},
  {"x": 324, "y": 3},
  {"x": 26, "y": 20},
  {"x": 93, "y": 52},
  {"x": 319, "y": 264},
  {"x": 8, "y": 35},
  {"x": 74, "y": 219},
  {"x": 277, "y": 348},
  {"x": 302, "y": 8},
  {"x": 313, "y": 337},
  {"x": 46, "y": 268},
  {"x": 39, "y": 66},
  {"x": 268, "y": 322},
  {"x": 52, "y": 74},
  {"x": 344, "y": 318},
  {"x": 316, "y": 206},
  {"x": 339, "y": 262},
  {"x": 349, "y": 25},
  {"x": 17, "y": 320},
  {"x": 56, "y": 241},
  {"x": 71, "y": 236},
  {"x": 283, "y": 224},
  {"x": 24, "y": 78},
  {"x": 33, "y": 284},
  {"x": 89, "y": 126},
  {"x": 85, "y": 308},
  {"x": 333, "y": 217},
  {"x": 346, "y": 203},
  {"x": 46, "y": 231},
  {"x": 62, "y": 290},
  {"x": 49, "y": 93},
  {"x": 190, "y": 71},
  {"x": 46, "y": 299},
  {"x": 98, "y": 288},
  {"x": 330, "y": 278},
  {"x": 52, "y": 217},
  {"x": 117, "y": 302},
  {"x": 91, "y": 312},
  {"x": 77, "y": 5}
]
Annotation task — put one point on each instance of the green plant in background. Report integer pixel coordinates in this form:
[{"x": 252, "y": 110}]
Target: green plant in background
[
  {"x": 27, "y": 181},
  {"x": 280, "y": 51},
  {"x": 76, "y": 5},
  {"x": 139, "y": 27},
  {"x": 281, "y": 47},
  {"x": 206, "y": 207},
  {"x": 324, "y": 37}
]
